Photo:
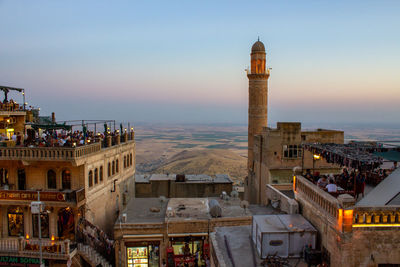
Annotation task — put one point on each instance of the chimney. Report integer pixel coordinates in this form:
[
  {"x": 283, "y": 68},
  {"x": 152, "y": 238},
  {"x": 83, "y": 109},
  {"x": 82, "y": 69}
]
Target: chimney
[{"x": 53, "y": 117}]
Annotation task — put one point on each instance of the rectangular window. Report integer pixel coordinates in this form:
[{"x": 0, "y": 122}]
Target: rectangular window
[
  {"x": 292, "y": 151},
  {"x": 15, "y": 224},
  {"x": 44, "y": 221}
]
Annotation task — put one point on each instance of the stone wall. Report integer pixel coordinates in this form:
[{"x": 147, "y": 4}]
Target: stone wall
[
  {"x": 373, "y": 243},
  {"x": 284, "y": 203},
  {"x": 172, "y": 189}
]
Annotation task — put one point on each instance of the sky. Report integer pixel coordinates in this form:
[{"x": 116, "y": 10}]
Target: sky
[{"x": 184, "y": 61}]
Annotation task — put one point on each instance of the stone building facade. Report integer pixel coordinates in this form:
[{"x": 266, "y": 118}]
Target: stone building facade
[
  {"x": 277, "y": 151},
  {"x": 92, "y": 181},
  {"x": 162, "y": 227},
  {"x": 354, "y": 234}
]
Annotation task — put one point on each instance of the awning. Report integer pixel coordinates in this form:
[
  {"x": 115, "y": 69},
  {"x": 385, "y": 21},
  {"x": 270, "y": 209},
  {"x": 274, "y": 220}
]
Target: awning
[
  {"x": 187, "y": 234},
  {"x": 150, "y": 236}
]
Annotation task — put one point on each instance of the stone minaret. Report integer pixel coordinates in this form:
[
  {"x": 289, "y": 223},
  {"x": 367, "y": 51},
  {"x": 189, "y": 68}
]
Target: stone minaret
[{"x": 258, "y": 96}]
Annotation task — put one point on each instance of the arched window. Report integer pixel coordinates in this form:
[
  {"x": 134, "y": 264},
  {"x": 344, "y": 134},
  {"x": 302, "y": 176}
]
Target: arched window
[
  {"x": 96, "y": 176},
  {"x": 66, "y": 179},
  {"x": 117, "y": 165},
  {"x": 130, "y": 159},
  {"x": 90, "y": 178},
  {"x": 101, "y": 173},
  {"x": 109, "y": 169},
  {"x": 113, "y": 167},
  {"x": 51, "y": 179},
  {"x": 124, "y": 162}
]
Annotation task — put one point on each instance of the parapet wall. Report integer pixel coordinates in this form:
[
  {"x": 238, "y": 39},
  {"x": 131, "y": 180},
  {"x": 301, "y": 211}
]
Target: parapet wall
[
  {"x": 280, "y": 200},
  {"x": 353, "y": 236}
]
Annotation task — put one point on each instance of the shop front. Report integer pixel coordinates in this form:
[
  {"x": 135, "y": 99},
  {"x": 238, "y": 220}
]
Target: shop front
[
  {"x": 189, "y": 250},
  {"x": 143, "y": 254}
]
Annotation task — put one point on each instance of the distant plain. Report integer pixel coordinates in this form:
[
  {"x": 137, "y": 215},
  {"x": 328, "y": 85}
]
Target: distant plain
[{"x": 213, "y": 149}]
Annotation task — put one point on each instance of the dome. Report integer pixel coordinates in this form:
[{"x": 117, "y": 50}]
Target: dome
[{"x": 258, "y": 47}]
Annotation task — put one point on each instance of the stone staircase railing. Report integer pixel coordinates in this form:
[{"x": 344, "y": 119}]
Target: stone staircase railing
[{"x": 91, "y": 255}]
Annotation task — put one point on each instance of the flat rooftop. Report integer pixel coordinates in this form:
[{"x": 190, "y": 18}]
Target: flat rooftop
[
  {"x": 139, "y": 210},
  {"x": 189, "y": 178},
  {"x": 241, "y": 246}
]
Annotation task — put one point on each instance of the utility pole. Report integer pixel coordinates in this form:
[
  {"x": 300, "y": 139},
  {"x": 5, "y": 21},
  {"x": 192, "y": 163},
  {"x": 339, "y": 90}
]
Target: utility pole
[{"x": 40, "y": 232}]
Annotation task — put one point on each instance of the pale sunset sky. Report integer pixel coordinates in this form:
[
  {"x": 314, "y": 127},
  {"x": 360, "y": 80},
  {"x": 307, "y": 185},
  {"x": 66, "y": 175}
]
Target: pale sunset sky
[{"x": 184, "y": 61}]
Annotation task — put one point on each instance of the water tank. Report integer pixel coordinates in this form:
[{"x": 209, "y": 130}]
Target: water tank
[{"x": 215, "y": 208}]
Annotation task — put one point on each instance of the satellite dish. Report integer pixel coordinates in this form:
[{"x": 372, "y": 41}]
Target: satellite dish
[{"x": 244, "y": 204}]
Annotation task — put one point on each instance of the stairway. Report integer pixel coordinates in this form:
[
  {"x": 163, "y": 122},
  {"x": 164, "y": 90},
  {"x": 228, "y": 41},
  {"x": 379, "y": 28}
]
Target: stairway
[{"x": 91, "y": 256}]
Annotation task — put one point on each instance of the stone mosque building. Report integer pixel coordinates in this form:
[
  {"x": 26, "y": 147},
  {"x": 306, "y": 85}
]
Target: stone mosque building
[{"x": 273, "y": 153}]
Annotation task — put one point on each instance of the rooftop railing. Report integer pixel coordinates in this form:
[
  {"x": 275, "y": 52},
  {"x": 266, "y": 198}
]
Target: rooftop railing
[
  {"x": 47, "y": 153},
  {"x": 62, "y": 153},
  {"x": 323, "y": 199}
]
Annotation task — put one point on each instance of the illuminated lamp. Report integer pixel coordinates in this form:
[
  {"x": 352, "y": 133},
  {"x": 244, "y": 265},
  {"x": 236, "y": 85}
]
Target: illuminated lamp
[
  {"x": 294, "y": 183},
  {"x": 52, "y": 238},
  {"x": 27, "y": 236},
  {"x": 377, "y": 225},
  {"x": 316, "y": 156}
]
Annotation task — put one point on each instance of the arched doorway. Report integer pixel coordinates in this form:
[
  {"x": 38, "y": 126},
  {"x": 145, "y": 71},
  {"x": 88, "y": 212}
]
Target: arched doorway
[{"x": 66, "y": 224}]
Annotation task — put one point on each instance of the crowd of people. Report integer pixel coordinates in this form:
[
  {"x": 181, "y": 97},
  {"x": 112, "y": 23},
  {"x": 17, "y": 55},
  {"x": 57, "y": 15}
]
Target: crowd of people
[
  {"x": 351, "y": 182},
  {"x": 56, "y": 138}
]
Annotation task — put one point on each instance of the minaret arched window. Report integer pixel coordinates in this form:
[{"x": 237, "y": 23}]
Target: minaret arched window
[
  {"x": 101, "y": 174},
  {"x": 113, "y": 167},
  {"x": 109, "y": 169},
  {"x": 117, "y": 166}
]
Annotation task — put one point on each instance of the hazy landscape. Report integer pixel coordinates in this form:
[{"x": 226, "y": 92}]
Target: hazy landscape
[{"x": 213, "y": 149}]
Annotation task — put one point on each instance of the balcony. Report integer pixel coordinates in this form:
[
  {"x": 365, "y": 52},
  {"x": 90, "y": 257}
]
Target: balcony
[
  {"x": 54, "y": 250},
  {"x": 56, "y": 153},
  {"x": 48, "y": 153},
  {"x": 68, "y": 197}
]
